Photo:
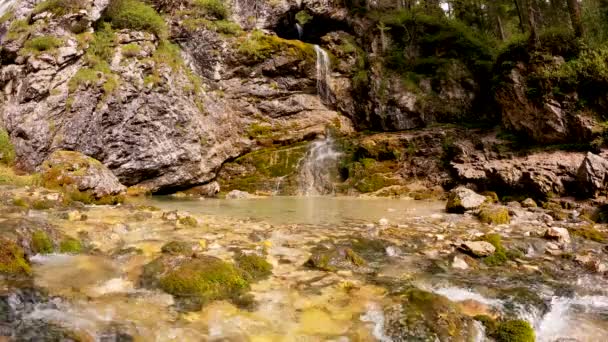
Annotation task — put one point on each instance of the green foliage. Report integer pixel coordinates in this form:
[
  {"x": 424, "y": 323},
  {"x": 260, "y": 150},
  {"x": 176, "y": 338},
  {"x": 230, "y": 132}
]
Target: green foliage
[
  {"x": 7, "y": 150},
  {"x": 303, "y": 17},
  {"x": 135, "y": 15},
  {"x": 60, "y": 7},
  {"x": 41, "y": 243},
  {"x": 18, "y": 29},
  {"x": 217, "y": 9},
  {"x": 101, "y": 46}
]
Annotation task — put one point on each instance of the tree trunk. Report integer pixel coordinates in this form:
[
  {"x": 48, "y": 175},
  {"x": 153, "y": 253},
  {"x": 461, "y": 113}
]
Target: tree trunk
[
  {"x": 534, "y": 41},
  {"x": 575, "y": 17},
  {"x": 520, "y": 16}
]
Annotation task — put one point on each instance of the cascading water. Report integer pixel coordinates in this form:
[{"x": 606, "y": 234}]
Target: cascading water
[
  {"x": 319, "y": 168},
  {"x": 300, "y": 31},
  {"x": 323, "y": 74},
  {"x": 5, "y": 5}
]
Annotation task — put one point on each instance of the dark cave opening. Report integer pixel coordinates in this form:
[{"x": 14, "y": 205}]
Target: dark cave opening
[{"x": 312, "y": 29}]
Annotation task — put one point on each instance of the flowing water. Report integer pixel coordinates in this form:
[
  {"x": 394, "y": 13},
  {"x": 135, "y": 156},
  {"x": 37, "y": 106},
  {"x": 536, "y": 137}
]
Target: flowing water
[
  {"x": 319, "y": 168},
  {"x": 323, "y": 74},
  {"x": 300, "y": 30},
  {"x": 98, "y": 293},
  {"x": 5, "y": 5}
]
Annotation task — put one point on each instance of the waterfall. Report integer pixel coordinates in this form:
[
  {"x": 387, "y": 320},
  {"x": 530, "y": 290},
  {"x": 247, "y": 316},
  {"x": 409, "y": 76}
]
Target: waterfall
[
  {"x": 319, "y": 168},
  {"x": 323, "y": 74},
  {"x": 300, "y": 31},
  {"x": 5, "y": 5}
]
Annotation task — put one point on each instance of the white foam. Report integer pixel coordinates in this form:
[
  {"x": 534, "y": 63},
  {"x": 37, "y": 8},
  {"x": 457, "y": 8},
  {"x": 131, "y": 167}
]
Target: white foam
[
  {"x": 458, "y": 294},
  {"x": 115, "y": 285},
  {"x": 375, "y": 316}
]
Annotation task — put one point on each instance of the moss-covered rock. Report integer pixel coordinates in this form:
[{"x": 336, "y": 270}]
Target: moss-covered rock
[
  {"x": 556, "y": 211},
  {"x": 462, "y": 199},
  {"x": 194, "y": 281},
  {"x": 181, "y": 248},
  {"x": 494, "y": 215},
  {"x": 499, "y": 257},
  {"x": 254, "y": 266},
  {"x": 514, "y": 331},
  {"x": 425, "y": 316},
  {"x": 81, "y": 178},
  {"x": 12, "y": 259},
  {"x": 334, "y": 258},
  {"x": 187, "y": 221},
  {"x": 70, "y": 246}
]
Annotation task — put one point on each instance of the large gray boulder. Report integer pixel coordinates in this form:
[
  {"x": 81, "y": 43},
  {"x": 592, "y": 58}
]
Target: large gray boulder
[
  {"x": 462, "y": 199},
  {"x": 592, "y": 175}
]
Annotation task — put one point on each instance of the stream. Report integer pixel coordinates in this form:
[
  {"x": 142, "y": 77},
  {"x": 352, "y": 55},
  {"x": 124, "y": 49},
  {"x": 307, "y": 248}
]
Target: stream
[{"x": 96, "y": 295}]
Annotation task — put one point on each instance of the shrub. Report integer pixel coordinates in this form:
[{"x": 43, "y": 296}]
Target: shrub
[
  {"x": 214, "y": 8},
  {"x": 131, "y": 50},
  {"x": 259, "y": 47},
  {"x": 7, "y": 151},
  {"x": 136, "y": 15}
]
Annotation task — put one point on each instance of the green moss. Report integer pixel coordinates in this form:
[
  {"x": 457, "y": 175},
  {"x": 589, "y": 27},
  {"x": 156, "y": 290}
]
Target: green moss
[
  {"x": 41, "y": 44},
  {"x": 206, "y": 279},
  {"x": 254, "y": 266},
  {"x": 257, "y": 47},
  {"x": 12, "y": 259},
  {"x": 494, "y": 215},
  {"x": 20, "y": 202},
  {"x": 334, "y": 258},
  {"x": 500, "y": 255},
  {"x": 70, "y": 246},
  {"x": 60, "y": 7},
  {"x": 41, "y": 243},
  {"x": 136, "y": 15},
  {"x": 177, "y": 248},
  {"x": 8, "y": 176},
  {"x": 491, "y": 196},
  {"x": 588, "y": 232},
  {"x": 188, "y": 221},
  {"x": 19, "y": 29},
  {"x": 488, "y": 322},
  {"x": 131, "y": 50},
  {"x": 515, "y": 331},
  {"x": 42, "y": 204},
  {"x": 556, "y": 211}
]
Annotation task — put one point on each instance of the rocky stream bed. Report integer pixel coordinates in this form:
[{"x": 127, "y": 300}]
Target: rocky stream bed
[{"x": 298, "y": 269}]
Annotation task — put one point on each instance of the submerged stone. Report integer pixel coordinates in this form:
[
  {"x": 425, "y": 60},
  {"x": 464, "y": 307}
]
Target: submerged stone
[
  {"x": 254, "y": 266},
  {"x": 478, "y": 248},
  {"x": 335, "y": 258}
]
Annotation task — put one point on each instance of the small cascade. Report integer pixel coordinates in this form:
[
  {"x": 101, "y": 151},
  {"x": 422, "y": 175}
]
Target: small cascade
[
  {"x": 300, "y": 31},
  {"x": 5, "y": 6},
  {"x": 323, "y": 74},
  {"x": 319, "y": 168}
]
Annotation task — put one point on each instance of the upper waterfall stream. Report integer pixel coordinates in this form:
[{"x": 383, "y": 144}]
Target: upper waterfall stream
[{"x": 323, "y": 74}]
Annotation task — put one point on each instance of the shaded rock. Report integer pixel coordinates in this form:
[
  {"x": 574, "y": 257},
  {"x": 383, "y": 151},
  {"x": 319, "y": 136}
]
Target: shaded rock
[
  {"x": 208, "y": 190},
  {"x": 67, "y": 169},
  {"x": 462, "y": 199},
  {"x": 592, "y": 175},
  {"x": 478, "y": 248}
]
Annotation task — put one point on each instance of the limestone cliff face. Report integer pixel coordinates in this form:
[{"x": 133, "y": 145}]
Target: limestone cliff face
[{"x": 159, "y": 115}]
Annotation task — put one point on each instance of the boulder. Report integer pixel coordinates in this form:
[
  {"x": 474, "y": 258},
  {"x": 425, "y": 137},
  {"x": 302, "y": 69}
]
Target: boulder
[
  {"x": 591, "y": 175},
  {"x": 561, "y": 235},
  {"x": 462, "y": 199},
  {"x": 478, "y": 248},
  {"x": 529, "y": 203},
  {"x": 73, "y": 169}
]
